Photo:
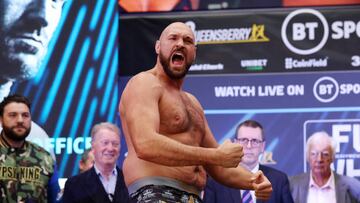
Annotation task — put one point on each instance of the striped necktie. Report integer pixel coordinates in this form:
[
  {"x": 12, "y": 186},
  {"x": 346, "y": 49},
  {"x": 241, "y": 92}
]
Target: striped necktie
[{"x": 246, "y": 197}]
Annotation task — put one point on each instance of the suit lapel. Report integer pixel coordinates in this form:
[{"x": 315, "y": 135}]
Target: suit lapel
[
  {"x": 119, "y": 186},
  {"x": 235, "y": 195},
  {"x": 304, "y": 188},
  {"x": 340, "y": 189},
  {"x": 265, "y": 171},
  {"x": 95, "y": 187}
]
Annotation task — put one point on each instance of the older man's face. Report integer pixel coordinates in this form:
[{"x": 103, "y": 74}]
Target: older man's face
[
  {"x": 26, "y": 27},
  {"x": 320, "y": 157},
  {"x": 106, "y": 147}
]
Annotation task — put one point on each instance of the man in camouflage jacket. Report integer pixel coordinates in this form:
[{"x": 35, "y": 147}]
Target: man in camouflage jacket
[{"x": 26, "y": 169}]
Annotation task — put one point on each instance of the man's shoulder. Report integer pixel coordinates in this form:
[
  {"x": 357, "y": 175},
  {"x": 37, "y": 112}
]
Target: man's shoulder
[
  {"x": 144, "y": 78},
  {"x": 352, "y": 184},
  {"x": 144, "y": 82},
  {"x": 272, "y": 171},
  {"x": 77, "y": 179},
  {"x": 303, "y": 177},
  {"x": 347, "y": 180},
  {"x": 40, "y": 151},
  {"x": 119, "y": 171}
]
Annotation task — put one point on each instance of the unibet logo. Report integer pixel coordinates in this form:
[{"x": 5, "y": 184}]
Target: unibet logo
[{"x": 305, "y": 37}]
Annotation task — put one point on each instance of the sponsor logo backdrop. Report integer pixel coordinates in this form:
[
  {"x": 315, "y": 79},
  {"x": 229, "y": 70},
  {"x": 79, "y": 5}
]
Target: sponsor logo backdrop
[{"x": 294, "y": 70}]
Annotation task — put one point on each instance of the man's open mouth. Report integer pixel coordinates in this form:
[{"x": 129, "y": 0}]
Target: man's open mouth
[{"x": 178, "y": 58}]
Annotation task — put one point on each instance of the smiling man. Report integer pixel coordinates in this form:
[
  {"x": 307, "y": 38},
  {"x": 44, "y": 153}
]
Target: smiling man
[
  {"x": 104, "y": 182},
  {"x": 26, "y": 27}
]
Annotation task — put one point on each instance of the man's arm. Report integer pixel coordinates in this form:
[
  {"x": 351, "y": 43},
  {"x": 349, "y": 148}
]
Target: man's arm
[
  {"x": 285, "y": 192},
  {"x": 53, "y": 187},
  {"x": 139, "y": 108},
  {"x": 238, "y": 177},
  {"x": 241, "y": 178}
]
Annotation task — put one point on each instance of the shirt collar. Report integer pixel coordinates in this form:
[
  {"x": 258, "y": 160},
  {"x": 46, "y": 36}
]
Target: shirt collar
[
  {"x": 255, "y": 169},
  {"x": 98, "y": 172},
  {"x": 329, "y": 184},
  {"x": 4, "y": 143}
]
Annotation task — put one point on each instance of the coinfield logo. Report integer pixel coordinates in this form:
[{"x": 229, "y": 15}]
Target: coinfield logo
[{"x": 305, "y": 31}]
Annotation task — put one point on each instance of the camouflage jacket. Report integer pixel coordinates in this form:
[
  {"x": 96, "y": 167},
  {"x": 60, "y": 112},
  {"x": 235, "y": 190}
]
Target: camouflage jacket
[{"x": 24, "y": 173}]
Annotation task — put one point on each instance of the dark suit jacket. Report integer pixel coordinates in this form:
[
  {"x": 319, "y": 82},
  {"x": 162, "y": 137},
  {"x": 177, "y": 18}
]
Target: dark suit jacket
[
  {"x": 217, "y": 193},
  {"x": 347, "y": 189},
  {"x": 87, "y": 188}
]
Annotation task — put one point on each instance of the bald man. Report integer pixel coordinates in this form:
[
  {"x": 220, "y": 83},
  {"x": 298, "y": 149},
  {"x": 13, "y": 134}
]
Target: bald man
[{"x": 170, "y": 143}]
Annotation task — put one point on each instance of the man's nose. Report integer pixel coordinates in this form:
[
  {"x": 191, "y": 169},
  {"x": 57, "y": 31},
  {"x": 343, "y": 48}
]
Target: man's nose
[
  {"x": 20, "y": 119},
  {"x": 180, "y": 43},
  {"x": 248, "y": 144},
  {"x": 38, "y": 11},
  {"x": 319, "y": 157}
]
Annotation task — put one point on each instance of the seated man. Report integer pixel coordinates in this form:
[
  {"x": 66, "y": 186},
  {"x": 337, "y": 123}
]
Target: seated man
[
  {"x": 250, "y": 135},
  {"x": 104, "y": 182},
  {"x": 321, "y": 184}
]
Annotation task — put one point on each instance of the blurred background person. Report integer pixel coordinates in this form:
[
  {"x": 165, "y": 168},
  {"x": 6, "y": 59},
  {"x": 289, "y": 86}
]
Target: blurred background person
[
  {"x": 28, "y": 172},
  {"x": 26, "y": 28},
  {"x": 87, "y": 160},
  {"x": 250, "y": 135},
  {"x": 321, "y": 184},
  {"x": 104, "y": 182}
]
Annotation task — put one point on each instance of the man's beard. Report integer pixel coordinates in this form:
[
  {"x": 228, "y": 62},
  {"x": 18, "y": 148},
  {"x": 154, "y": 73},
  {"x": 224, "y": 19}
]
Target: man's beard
[
  {"x": 12, "y": 135},
  {"x": 165, "y": 64},
  {"x": 17, "y": 65}
]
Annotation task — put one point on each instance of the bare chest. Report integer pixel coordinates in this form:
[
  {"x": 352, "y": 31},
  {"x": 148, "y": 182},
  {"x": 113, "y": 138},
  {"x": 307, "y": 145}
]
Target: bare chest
[{"x": 179, "y": 116}]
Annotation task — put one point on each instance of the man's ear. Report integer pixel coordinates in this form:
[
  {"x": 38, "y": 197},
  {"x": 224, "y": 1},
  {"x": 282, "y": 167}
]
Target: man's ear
[
  {"x": 195, "y": 53},
  {"x": 157, "y": 47},
  {"x": 263, "y": 147},
  {"x": 81, "y": 164}
]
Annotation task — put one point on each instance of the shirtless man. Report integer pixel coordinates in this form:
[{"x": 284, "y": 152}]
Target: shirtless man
[{"x": 170, "y": 145}]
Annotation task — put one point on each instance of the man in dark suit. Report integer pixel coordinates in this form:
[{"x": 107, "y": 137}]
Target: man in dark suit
[
  {"x": 104, "y": 182},
  {"x": 321, "y": 184},
  {"x": 250, "y": 135}
]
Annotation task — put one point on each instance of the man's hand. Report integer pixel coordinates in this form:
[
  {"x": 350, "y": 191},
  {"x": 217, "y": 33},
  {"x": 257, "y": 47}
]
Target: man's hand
[
  {"x": 262, "y": 186},
  {"x": 230, "y": 154}
]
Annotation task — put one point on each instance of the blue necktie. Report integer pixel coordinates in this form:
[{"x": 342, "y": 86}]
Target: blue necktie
[{"x": 246, "y": 197}]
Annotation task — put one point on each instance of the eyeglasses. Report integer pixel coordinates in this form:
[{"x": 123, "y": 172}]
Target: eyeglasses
[
  {"x": 323, "y": 154},
  {"x": 245, "y": 141}
]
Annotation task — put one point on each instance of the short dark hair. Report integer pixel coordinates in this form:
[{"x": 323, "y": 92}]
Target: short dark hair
[
  {"x": 14, "y": 98},
  {"x": 252, "y": 124}
]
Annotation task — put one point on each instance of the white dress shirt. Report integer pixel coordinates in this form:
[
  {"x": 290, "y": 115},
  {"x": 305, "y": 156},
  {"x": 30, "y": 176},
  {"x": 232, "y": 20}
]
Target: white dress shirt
[
  {"x": 109, "y": 185},
  {"x": 323, "y": 194}
]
